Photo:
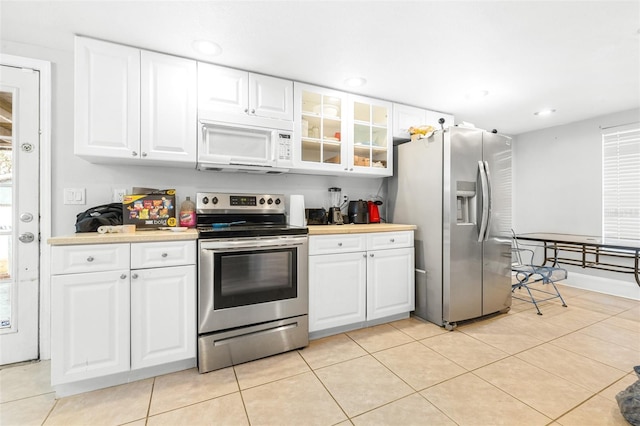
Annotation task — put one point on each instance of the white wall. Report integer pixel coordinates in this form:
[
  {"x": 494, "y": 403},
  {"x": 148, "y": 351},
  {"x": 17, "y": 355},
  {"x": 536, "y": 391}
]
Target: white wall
[
  {"x": 69, "y": 171},
  {"x": 557, "y": 174}
]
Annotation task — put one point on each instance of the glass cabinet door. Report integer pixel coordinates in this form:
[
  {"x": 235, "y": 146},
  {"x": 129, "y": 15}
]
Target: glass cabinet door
[
  {"x": 371, "y": 135},
  {"x": 321, "y": 126}
]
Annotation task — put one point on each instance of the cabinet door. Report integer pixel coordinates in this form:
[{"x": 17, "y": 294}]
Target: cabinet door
[
  {"x": 163, "y": 316},
  {"x": 404, "y": 117},
  {"x": 391, "y": 282},
  {"x": 89, "y": 325},
  {"x": 107, "y": 99},
  {"x": 168, "y": 108},
  {"x": 270, "y": 97},
  {"x": 371, "y": 144},
  {"x": 337, "y": 290},
  {"x": 222, "y": 89},
  {"x": 320, "y": 131}
]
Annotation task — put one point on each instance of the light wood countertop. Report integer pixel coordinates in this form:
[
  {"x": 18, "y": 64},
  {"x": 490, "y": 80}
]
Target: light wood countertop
[
  {"x": 134, "y": 237},
  {"x": 358, "y": 229}
]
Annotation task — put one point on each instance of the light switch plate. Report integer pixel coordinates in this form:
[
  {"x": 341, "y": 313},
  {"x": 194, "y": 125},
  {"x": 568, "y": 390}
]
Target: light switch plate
[{"x": 74, "y": 196}]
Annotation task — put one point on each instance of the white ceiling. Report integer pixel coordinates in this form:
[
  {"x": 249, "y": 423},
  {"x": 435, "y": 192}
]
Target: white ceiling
[{"x": 581, "y": 58}]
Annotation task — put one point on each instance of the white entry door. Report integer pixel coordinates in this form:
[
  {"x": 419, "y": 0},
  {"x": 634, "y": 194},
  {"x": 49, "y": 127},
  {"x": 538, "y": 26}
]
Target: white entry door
[{"x": 19, "y": 214}]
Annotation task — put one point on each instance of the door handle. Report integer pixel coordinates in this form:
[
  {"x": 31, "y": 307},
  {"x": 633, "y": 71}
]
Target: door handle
[
  {"x": 490, "y": 199},
  {"x": 485, "y": 202},
  {"x": 26, "y": 237}
]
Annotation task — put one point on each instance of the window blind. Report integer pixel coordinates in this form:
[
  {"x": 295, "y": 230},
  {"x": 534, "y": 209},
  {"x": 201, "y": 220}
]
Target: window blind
[{"x": 621, "y": 183}]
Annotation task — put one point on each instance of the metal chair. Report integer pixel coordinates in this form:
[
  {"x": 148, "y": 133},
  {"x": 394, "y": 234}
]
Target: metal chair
[{"x": 527, "y": 274}]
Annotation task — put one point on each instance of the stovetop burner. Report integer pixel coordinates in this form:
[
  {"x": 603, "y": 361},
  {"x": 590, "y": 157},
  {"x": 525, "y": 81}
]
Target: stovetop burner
[{"x": 222, "y": 215}]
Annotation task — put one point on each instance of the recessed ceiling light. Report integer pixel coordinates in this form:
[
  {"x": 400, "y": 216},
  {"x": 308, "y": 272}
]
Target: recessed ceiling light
[
  {"x": 544, "y": 112},
  {"x": 207, "y": 47},
  {"x": 355, "y": 81},
  {"x": 476, "y": 94}
]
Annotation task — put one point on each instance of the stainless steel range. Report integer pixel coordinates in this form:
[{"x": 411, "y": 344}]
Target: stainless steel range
[{"x": 252, "y": 279}]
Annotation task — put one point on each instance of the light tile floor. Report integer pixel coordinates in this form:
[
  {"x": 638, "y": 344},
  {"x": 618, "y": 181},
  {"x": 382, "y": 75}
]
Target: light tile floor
[{"x": 562, "y": 368}]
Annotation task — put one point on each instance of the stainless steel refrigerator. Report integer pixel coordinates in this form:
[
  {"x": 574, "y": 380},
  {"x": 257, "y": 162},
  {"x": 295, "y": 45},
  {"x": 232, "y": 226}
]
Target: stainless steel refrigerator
[{"x": 456, "y": 187}]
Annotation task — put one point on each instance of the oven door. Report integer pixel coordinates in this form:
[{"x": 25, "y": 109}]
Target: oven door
[{"x": 248, "y": 281}]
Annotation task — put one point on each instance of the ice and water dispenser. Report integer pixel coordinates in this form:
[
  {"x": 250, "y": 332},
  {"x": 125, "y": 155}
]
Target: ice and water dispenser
[{"x": 466, "y": 208}]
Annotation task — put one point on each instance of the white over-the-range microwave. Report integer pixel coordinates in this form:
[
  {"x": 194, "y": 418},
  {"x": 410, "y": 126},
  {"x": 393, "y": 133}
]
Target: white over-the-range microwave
[{"x": 239, "y": 147}]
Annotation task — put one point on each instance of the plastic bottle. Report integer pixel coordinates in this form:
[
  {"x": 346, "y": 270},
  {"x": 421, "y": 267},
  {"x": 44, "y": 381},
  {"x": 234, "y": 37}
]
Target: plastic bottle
[{"x": 188, "y": 213}]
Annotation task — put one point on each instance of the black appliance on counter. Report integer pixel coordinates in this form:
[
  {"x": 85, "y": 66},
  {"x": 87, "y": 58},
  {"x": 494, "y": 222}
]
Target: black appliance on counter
[
  {"x": 358, "y": 212},
  {"x": 252, "y": 279}
]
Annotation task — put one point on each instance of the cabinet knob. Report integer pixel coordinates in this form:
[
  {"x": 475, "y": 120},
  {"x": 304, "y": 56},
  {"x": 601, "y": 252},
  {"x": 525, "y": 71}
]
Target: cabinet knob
[
  {"x": 339, "y": 244},
  {"x": 144, "y": 154},
  {"x": 90, "y": 259},
  {"x": 246, "y": 111},
  {"x": 165, "y": 254},
  {"x": 134, "y": 276},
  {"x": 134, "y": 154},
  {"x": 393, "y": 240},
  {"x": 123, "y": 276},
  {"x": 364, "y": 255},
  {"x": 253, "y": 111},
  {"x": 346, "y": 169},
  {"x": 371, "y": 255},
  {"x": 351, "y": 169}
]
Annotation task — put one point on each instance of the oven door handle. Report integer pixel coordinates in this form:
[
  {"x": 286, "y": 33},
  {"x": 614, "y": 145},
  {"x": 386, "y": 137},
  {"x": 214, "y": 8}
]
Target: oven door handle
[{"x": 253, "y": 244}]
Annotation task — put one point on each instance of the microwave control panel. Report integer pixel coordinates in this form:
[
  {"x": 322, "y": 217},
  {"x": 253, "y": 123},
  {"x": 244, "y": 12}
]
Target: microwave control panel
[{"x": 284, "y": 147}]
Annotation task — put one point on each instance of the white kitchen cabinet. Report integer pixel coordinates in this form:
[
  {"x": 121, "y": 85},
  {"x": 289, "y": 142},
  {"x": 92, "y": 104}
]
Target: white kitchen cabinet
[
  {"x": 337, "y": 290},
  {"x": 236, "y": 96},
  {"x": 131, "y": 306},
  {"x": 390, "y": 282},
  {"x": 371, "y": 143},
  {"x": 404, "y": 117},
  {"x": 89, "y": 311},
  {"x": 163, "y": 302},
  {"x": 320, "y": 131},
  {"x": 133, "y": 106},
  {"x": 358, "y": 278}
]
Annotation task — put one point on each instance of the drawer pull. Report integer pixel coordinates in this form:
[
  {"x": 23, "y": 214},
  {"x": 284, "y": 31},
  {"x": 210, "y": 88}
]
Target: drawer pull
[
  {"x": 90, "y": 259},
  {"x": 164, "y": 255},
  {"x": 364, "y": 255},
  {"x": 123, "y": 276},
  {"x": 393, "y": 240},
  {"x": 134, "y": 276},
  {"x": 371, "y": 255},
  {"x": 339, "y": 244}
]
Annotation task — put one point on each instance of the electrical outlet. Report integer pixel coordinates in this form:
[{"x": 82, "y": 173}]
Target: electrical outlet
[{"x": 118, "y": 195}]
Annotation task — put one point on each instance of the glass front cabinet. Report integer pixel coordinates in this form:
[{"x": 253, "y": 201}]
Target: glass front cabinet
[
  {"x": 339, "y": 133},
  {"x": 320, "y": 128},
  {"x": 371, "y": 142}
]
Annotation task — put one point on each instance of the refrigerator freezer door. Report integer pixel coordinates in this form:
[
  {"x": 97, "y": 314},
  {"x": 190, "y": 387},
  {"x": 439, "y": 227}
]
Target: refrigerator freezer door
[
  {"x": 462, "y": 253},
  {"x": 497, "y": 247}
]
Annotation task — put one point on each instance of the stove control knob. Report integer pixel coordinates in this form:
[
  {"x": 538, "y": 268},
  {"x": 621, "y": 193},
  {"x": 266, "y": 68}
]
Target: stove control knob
[
  {"x": 269, "y": 201},
  {"x": 277, "y": 201},
  {"x": 205, "y": 200},
  {"x": 261, "y": 200},
  {"x": 215, "y": 200}
]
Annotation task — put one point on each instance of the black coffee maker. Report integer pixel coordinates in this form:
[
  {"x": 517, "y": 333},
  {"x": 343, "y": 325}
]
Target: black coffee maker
[{"x": 358, "y": 212}]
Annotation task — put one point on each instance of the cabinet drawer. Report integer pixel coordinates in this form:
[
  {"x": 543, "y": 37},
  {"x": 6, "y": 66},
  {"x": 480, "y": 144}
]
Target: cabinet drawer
[
  {"x": 89, "y": 258},
  {"x": 389, "y": 240},
  {"x": 153, "y": 255},
  {"x": 344, "y": 243}
]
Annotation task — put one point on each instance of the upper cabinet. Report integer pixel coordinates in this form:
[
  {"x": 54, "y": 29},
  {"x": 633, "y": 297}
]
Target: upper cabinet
[
  {"x": 134, "y": 105},
  {"x": 320, "y": 129},
  {"x": 405, "y": 116},
  {"x": 339, "y": 133},
  {"x": 236, "y": 96},
  {"x": 370, "y": 136}
]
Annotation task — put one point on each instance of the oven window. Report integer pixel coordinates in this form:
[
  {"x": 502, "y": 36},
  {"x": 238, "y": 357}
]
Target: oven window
[{"x": 249, "y": 277}]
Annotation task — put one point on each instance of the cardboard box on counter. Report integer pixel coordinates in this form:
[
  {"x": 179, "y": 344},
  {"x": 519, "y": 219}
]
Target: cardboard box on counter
[{"x": 150, "y": 211}]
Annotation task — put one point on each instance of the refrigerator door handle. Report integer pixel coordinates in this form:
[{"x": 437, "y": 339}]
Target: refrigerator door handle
[
  {"x": 490, "y": 198},
  {"x": 485, "y": 202}
]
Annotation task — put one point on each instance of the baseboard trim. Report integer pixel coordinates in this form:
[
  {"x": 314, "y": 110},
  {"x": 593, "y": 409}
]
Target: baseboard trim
[{"x": 628, "y": 290}]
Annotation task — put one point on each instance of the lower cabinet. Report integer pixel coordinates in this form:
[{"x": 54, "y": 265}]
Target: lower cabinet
[
  {"x": 108, "y": 318},
  {"x": 355, "y": 278}
]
